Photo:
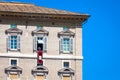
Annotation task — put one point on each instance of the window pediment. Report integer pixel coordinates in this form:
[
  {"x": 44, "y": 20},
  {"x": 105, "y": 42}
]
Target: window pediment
[
  {"x": 40, "y": 69},
  {"x": 40, "y": 31},
  {"x": 66, "y": 33},
  {"x": 13, "y": 30},
  {"x": 66, "y": 71},
  {"x": 13, "y": 69}
]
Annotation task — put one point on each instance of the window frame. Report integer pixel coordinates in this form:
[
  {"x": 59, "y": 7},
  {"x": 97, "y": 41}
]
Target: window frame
[
  {"x": 13, "y": 59},
  {"x": 70, "y": 45},
  {"x": 10, "y": 42},
  {"x": 65, "y": 28},
  {"x": 63, "y": 61},
  {"x": 44, "y": 39},
  {"x": 65, "y": 45},
  {"x": 13, "y": 26},
  {"x": 18, "y": 42}
]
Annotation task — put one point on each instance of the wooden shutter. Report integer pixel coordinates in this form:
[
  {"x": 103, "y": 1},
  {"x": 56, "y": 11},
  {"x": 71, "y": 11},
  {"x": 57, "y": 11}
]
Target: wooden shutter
[
  {"x": 66, "y": 78},
  {"x": 71, "y": 45},
  {"x": 13, "y": 76},
  {"x": 40, "y": 77},
  {"x": 18, "y": 42},
  {"x": 35, "y": 44},
  {"x": 45, "y": 44},
  {"x": 61, "y": 44},
  {"x": 8, "y": 43}
]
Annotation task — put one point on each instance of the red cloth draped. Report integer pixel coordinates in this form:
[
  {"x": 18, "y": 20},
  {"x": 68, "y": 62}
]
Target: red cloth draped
[{"x": 39, "y": 56}]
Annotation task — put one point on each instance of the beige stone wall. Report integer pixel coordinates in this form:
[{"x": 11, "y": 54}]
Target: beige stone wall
[
  {"x": 78, "y": 70},
  {"x": 4, "y": 63},
  {"x": 52, "y": 47},
  {"x": 28, "y": 64}
]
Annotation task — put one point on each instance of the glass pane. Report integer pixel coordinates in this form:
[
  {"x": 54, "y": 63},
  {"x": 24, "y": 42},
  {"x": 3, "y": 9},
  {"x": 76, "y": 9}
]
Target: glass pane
[
  {"x": 39, "y": 27},
  {"x": 40, "y": 38},
  {"x": 15, "y": 47},
  {"x": 66, "y": 64},
  {"x": 13, "y": 42},
  {"x": 13, "y": 25},
  {"x": 13, "y": 62},
  {"x": 66, "y": 42},
  {"x": 65, "y": 28}
]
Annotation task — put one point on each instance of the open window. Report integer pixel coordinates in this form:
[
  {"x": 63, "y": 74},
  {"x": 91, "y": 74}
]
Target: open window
[{"x": 40, "y": 39}]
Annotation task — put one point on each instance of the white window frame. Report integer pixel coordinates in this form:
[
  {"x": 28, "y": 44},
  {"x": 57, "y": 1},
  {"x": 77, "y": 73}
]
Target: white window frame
[
  {"x": 45, "y": 42},
  {"x": 65, "y": 46},
  {"x": 9, "y": 42},
  {"x": 13, "y": 42},
  {"x": 70, "y": 44}
]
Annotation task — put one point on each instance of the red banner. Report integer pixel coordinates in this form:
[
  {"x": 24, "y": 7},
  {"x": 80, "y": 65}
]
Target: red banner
[{"x": 39, "y": 56}]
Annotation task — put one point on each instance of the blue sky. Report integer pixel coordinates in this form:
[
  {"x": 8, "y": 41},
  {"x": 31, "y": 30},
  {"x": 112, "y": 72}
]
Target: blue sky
[{"x": 101, "y": 35}]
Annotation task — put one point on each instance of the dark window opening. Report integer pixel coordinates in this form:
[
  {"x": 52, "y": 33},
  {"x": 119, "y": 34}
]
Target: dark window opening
[
  {"x": 13, "y": 62},
  {"x": 40, "y": 64},
  {"x": 39, "y": 46},
  {"x": 66, "y": 64}
]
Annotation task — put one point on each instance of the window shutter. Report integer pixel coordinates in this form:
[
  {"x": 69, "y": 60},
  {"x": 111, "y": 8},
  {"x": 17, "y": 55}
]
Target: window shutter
[
  {"x": 35, "y": 44},
  {"x": 8, "y": 43},
  {"x": 18, "y": 43},
  {"x": 61, "y": 44},
  {"x": 71, "y": 45},
  {"x": 45, "y": 44}
]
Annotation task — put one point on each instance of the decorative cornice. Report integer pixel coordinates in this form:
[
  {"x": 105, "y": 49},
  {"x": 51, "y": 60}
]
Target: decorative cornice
[
  {"x": 40, "y": 31},
  {"x": 13, "y": 69},
  {"x": 66, "y": 71},
  {"x": 39, "y": 69},
  {"x": 66, "y": 33},
  {"x": 13, "y": 30},
  {"x": 45, "y": 56}
]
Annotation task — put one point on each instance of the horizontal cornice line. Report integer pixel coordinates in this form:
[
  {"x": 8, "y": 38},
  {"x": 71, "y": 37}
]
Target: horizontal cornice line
[{"x": 45, "y": 56}]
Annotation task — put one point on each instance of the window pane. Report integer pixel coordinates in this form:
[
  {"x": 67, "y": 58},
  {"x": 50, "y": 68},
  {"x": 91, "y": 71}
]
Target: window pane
[
  {"x": 13, "y": 42},
  {"x": 39, "y": 27},
  {"x": 66, "y": 64},
  {"x": 66, "y": 44},
  {"x": 13, "y": 62},
  {"x": 65, "y": 28},
  {"x": 13, "y": 25}
]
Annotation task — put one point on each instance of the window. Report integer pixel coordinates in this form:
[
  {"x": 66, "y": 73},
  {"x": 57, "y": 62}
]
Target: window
[
  {"x": 14, "y": 62},
  {"x": 66, "y": 40},
  {"x": 13, "y": 26},
  {"x": 66, "y": 45},
  {"x": 13, "y": 42},
  {"x": 40, "y": 43},
  {"x": 40, "y": 64},
  {"x": 39, "y": 27},
  {"x": 65, "y": 28},
  {"x": 40, "y": 39},
  {"x": 66, "y": 64}
]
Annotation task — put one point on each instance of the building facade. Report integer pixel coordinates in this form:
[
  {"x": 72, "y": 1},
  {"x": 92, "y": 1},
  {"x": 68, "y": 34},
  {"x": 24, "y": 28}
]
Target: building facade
[{"x": 26, "y": 28}]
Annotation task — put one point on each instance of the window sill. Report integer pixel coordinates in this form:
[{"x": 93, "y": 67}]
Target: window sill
[
  {"x": 13, "y": 50},
  {"x": 66, "y": 52}
]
